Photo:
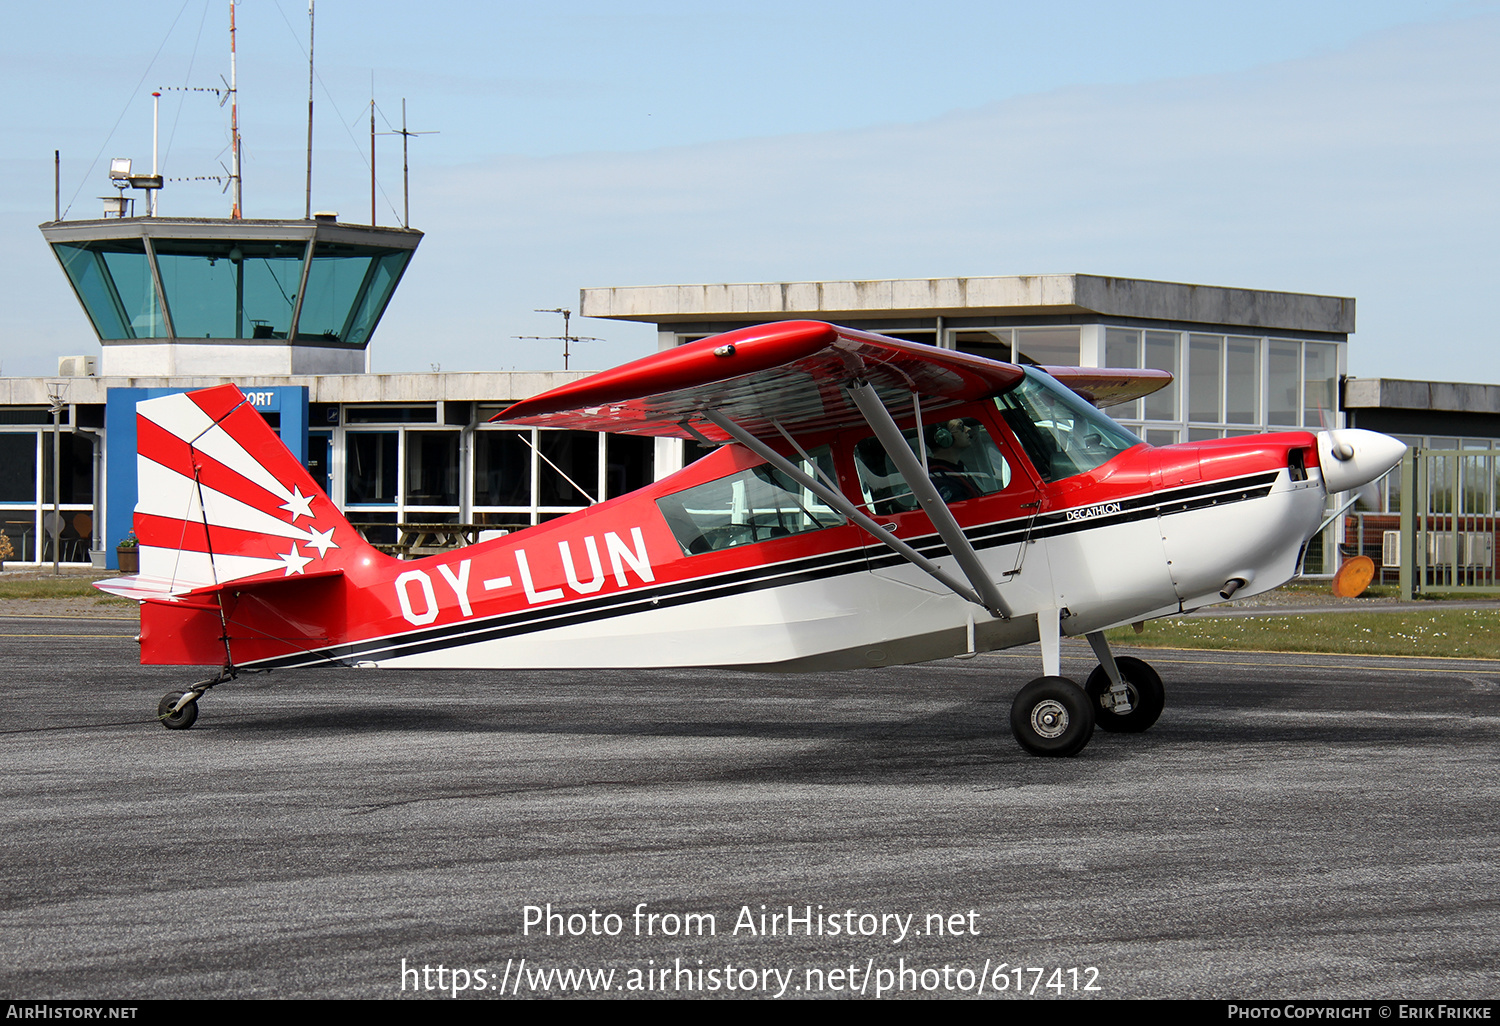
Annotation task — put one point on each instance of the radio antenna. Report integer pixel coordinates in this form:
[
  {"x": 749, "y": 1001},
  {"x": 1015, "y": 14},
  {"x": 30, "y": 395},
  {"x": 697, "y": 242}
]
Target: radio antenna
[
  {"x": 405, "y": 166},
  {"x": 308, "y": 214},
  {"x": 566, "y": 338}
]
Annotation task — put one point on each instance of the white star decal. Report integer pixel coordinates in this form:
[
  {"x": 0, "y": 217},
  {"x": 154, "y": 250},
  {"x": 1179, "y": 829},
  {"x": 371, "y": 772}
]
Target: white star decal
[
  {"x": 298, "y": 505},
  {"x": 294, "y": 560},
  {"x": 322, "y": 541}
]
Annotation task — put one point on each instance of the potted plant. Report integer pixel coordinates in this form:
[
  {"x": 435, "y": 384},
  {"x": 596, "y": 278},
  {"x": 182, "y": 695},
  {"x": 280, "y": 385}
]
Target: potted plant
[{"x": 128, "y": 554}]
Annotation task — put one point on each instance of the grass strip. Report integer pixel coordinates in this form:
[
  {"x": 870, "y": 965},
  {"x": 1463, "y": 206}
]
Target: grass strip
[{"x": 1451, "y": 633}]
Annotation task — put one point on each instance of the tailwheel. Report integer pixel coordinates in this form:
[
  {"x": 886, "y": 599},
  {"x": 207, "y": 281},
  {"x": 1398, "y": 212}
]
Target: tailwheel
[
  {"x": 174, "y": 718},
  {"x": 1052, "y": 716},
  {"x": 1142, "y": 685}
]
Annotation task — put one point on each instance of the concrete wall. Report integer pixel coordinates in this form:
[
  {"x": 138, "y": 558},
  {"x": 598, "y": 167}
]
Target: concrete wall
[{"x": 1437, "y": 396}]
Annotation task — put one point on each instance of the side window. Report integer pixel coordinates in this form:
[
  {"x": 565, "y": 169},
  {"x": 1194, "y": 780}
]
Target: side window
[
  {"x": 749, "y": 506},
  {"x": 963, "y": 462}
]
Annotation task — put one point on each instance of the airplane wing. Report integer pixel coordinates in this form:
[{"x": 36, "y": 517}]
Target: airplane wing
[
  {"x": 789, "y": 373},
  {"x": 1109, "y": 386}
]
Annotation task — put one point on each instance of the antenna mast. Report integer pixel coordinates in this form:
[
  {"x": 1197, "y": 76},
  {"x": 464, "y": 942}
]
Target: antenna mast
[
  {"x": 405, "y": 166},
  {"x": 566, "y": 338},
  {"x": 234, "y": 125},
  {"x": 308, "y": 215},
  {"x": 372, "y": 149}
]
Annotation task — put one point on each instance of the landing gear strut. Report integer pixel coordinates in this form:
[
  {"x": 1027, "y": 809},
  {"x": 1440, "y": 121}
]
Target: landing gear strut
[
  {"x": 1126, "y": 693},
  {"x": 1145, "y": 691}
]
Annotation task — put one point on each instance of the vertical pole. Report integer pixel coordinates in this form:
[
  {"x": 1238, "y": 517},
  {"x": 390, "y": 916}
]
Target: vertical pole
[
  {"x": 155, "y": 137},
  {"x": 56, "y": 523},
  {"x": 405, "y": 172},
  {"x": 372, "y": 151},
  {"x": 57, "y": 185},
  {"x": 1408, "y": 523},
  {"x": 234, "y": 124},
  {"x": 308, "y": 214}
]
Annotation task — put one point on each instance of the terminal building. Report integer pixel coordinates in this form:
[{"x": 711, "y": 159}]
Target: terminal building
[{"x": 287, "y": 310}]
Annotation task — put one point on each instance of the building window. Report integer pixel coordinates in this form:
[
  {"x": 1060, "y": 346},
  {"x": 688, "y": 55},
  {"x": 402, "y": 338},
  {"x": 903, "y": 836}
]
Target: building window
[
  {"x": 370, "y": 468},
  {"x": 1056, "y": 347},
  {"x": 18, "y": 467},
  {"x": 1205, "y": 378},
  {"x": 1242, "y": 380},
  {"x": 1122, "y": 348},
  {"x": 1161, "y": 353},
  {"x": 1283, "y": 382},
  {"x": 569, "y": 471},
  {"x": 990, "y": 343},
  {"x": 1320, "y": 383},
  {"x": 431, "y": 468}
]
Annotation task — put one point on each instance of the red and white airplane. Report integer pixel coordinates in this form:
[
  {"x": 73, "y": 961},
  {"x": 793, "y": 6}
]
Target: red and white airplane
[{"x": 870, "y": 502}]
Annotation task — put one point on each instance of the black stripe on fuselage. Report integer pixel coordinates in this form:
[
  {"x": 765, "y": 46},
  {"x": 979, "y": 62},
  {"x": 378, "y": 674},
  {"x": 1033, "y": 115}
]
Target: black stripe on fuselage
[{"x": 777, "y": 575}]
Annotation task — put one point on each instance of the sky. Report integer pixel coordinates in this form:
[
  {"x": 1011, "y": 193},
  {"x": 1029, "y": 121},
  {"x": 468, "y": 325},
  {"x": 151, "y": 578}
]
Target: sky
[{"x": 1322, "y": 146}]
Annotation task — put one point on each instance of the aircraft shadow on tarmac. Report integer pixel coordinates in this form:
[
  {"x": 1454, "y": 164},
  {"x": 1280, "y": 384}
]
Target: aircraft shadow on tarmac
[{"x": 912, "y": 720}]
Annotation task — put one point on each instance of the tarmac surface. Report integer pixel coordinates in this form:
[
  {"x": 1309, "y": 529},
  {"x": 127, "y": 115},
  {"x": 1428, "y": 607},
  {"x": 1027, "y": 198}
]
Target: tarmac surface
[{"x": 1293, "y": 827}]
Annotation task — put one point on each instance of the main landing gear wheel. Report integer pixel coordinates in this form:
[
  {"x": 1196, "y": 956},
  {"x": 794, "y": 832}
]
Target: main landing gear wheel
[
  {"x": 1052, "y": 716},
  {"x": 1147, "y": 697},
  {"x": 183, "y": 718}
]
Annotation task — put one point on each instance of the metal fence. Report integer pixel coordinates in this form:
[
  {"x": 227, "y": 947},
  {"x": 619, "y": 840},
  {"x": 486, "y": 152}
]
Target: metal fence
[{"x": 1445, "y": 539}]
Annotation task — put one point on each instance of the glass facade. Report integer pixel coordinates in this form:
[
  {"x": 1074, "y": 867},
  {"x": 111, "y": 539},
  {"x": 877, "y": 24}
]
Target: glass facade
[
  {"x": 1226, "y": 385},
  {"x": 221, "y": 286},
  {"x": 26, "y": 475},
  {"x": 413, "y": 469}
]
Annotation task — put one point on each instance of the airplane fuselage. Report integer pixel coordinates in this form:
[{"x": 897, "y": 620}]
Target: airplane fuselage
[{"x": 1151, "y": 532}]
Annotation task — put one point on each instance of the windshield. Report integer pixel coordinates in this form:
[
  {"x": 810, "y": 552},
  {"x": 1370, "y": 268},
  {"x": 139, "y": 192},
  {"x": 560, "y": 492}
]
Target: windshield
[{"x": 1061, "y": 432}]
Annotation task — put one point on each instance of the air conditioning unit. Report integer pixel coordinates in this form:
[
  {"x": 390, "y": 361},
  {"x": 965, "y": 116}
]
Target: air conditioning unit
[
  {"x": 77, "y": 366},
  {"x": 1390, "y": 549},
  {"x": 1478, "y": 548}
]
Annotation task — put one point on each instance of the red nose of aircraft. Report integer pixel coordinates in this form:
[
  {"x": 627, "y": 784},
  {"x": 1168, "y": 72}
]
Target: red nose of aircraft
[{"x": 1352, "y": 457}]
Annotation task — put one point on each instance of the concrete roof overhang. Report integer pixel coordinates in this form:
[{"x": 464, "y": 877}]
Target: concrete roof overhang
[
  {"x": 1434, "y": 396},
  {"x": 1046, "y": 295},
  {"x": 226, "y": 228}
]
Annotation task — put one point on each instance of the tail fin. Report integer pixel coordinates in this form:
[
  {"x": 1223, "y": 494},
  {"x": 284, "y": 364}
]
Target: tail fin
[{"x": 221, "y": 499}]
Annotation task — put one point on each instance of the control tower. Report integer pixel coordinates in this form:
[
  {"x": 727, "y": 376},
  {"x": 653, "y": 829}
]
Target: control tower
[{"x": 203, "y": 296}]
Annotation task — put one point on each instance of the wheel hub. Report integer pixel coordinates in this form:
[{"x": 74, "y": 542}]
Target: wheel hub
[{"x": 1049, "y": 719}]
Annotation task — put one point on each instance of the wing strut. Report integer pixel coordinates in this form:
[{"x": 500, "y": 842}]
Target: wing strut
[
  {"x": 848, "y": 509},
  {"x": 880, "y": 421}
]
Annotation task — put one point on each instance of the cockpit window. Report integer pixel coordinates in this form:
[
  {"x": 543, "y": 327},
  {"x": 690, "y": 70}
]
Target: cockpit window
[
  {"x": 963, "y": 462},
  {"x": 749, "y": 506},
  {"x": 1061, "y": 432}
]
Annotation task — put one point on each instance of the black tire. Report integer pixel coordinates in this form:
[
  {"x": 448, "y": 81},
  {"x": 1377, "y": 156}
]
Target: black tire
[
  {"x": 1147, "y": 697},
  {"x": 183, "y": 718},
  {"x": 1052, "y": 716}
]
